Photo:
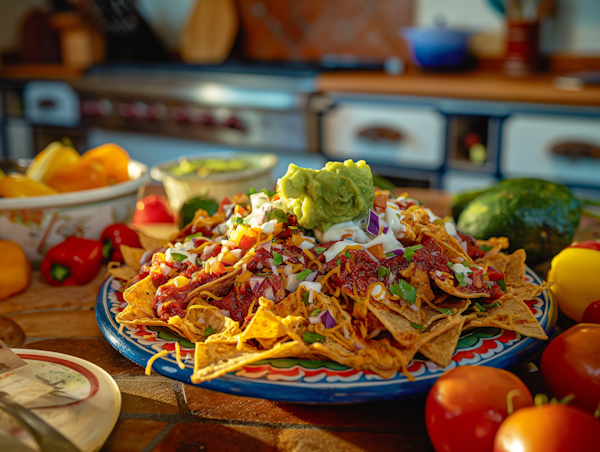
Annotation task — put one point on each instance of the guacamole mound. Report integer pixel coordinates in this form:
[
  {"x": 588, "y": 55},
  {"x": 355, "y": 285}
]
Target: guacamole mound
[{"x": 338, "y": 193}]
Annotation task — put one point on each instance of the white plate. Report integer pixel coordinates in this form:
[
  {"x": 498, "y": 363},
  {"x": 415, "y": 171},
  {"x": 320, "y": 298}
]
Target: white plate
[{"x": 87, "y": 401}]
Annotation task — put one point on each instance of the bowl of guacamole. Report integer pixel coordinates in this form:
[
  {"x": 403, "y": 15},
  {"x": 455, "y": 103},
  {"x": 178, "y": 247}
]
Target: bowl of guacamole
[{"x": 214, "y": 175}]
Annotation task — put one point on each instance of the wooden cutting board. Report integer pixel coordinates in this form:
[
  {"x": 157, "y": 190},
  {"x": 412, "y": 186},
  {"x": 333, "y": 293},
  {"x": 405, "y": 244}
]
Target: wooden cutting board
[{"x": 210, "y": 32}]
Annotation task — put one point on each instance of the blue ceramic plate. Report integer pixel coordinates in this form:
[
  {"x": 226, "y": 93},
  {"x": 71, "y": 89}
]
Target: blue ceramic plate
[{"x": 302, "y": 381}]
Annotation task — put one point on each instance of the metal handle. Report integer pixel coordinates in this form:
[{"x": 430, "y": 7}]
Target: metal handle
[
  {"x": 576, "y": 150},
  {"x": 380, "y": 133},
  {"x": 48, "y": 438}
]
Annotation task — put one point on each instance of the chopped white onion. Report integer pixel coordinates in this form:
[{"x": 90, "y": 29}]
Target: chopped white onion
[
  {"x": 225, "y": 313},
  {"x": 374, "y": 333},
  {"x": 377, "y": 261},
  {"x": 315, "y": 319},
  {"x": 463, "y": 245},
  {"x": 391, "y": 279},
  {"x": 165, "y": 269},
  {"x": 228, "y": 243},
  {"x": 273, "y": 267},
  {"x": 266, "y": 246},
  {"x": 292, "y": 283},
  {"x": 346, "y": 334},
  {"x": 255, "y": 282},
  {"x": 414, "y": 307},
  {"x": 312, "y": 277},
  {"x": 269, "y": 295},
  {"x": 359, "y": 345},
  {"x": 287, "y": 270},
  {"x": 236, "y": 253},
  {"x": 146, "y": 257}
]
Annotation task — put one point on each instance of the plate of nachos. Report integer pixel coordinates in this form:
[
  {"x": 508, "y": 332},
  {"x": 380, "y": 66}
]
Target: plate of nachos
[{"x": 328, "y": 290}]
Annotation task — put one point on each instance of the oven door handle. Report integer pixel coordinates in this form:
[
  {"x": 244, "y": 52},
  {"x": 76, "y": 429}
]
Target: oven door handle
[{"x": 576, "y": 150}]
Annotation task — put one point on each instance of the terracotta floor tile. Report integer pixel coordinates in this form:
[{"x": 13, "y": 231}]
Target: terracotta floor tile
[
  {"x": 97, "y": 351},
  {"x": 218, "y": 438},
  {"x": 322, "y": 441},
  {"x": 40, "y": 295},
  {"x": 388, "y": 416},
  {"x": 132, "y": 435},
  {"x": 58, "y": 323},
  {"x": 147, "y": 394}
]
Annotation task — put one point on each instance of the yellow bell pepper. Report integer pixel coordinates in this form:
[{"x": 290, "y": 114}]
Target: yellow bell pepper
[
  {"x": 114, "y": 158},
  {"x": 81, "y": 175},
  {"x": 50, "y": 160},
  {"x": 15, "y": 269},
  {"x": 19, "y": 186},
  {"x": 574, "y": 273}
]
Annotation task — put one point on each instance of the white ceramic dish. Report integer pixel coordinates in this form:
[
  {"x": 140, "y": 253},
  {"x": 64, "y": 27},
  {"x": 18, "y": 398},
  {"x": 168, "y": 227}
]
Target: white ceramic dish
[
  {"x": 216, "y": 186},
  {"x": 86, "y": 403},
  {"x": 38, "y": 223}
]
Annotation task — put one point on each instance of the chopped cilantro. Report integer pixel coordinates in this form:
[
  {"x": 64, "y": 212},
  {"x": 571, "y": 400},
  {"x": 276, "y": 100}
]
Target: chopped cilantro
[
  {"x": 461, "y": 279},
  {"x": 319, "y": 250},
  {"x": 305, "y": 296},
  {"x": 383, "y": 271},
  {"x": 410, "y": 251},
  {"x": 252, "y": 191},
  {"x": 390, "y": 254},
  {"x": 502, "y": 285},
  {"x": 446, "y": 311},
  {"x": 190, "y": 237},
  {"x": 278, "y": 215},
  {"x": 292, "y": 227},
  {"x": 338, "y": 262},
  {"x": 277, "y": 258},
  {"x": 262, "y": 274},
  {"x": 310, "y": 338},
  {"x": 209, "y": 330},
  {"x": 417, "y": 326},
  {"x": 179, "y": 257},
  {"x": 302, "y": 275},
  {"x": 402, "y": 289},
  {"x": 485, "y": 248},
  {"x": 481, "y": 308},
  {"x": 315, "y": 312},
  {"x": 450, "y": 264},
  {"x": 489, "y": 285},
  {"x": 491, "y": 305},
  {"x": 347, "y": 254},
  {"x": 238, "y": 220}
]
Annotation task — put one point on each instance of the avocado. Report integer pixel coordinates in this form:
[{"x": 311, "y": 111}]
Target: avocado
[
  {"x": 460, "y": 201},
  {"x": 538, "y": 216}
]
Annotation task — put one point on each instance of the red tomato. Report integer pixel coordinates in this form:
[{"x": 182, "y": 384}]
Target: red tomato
[
  {"x": 590, "y": 244},
  {"x": 548, "y": 428},
  {"x": 571, "y": 365},
  {"x": 592, "y": 313},
  {"x": 466, "y": 406},
  {"x": 153, "y": 209}
]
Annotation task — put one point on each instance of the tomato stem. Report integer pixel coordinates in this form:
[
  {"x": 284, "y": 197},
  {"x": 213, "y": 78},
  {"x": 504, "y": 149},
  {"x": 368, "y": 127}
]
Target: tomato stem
[
  {"x": 509, "y": 400},
  {"x": 566, "y": 399},
  {"x": 540, "y": 399}
]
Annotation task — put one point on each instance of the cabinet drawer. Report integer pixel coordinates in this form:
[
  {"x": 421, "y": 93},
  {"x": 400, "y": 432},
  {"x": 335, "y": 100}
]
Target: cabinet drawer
[
  {"x": 407, "y": 137},
  {"x": 558, "y": 148}
]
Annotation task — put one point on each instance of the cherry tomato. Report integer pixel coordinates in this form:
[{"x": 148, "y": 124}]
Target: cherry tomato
[
  {"x": 153, "y": 209},
  {"x": 592, "y": 313},
  {"x": 466, "y": 406},
  {"x": 571, "y": 365},
  {"x": 548, "y": 428}
]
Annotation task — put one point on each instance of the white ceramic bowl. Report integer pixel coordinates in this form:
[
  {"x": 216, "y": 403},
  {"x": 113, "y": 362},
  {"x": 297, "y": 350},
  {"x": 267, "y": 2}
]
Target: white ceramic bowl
[
  {"x": 180, "y": 189},
  {"x": 38, "y": 223}
]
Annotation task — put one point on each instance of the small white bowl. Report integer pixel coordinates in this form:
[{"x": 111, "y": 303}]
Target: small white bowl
[
  {"x": 38, "y": 223},
  {"x": 180, "y": 189}
]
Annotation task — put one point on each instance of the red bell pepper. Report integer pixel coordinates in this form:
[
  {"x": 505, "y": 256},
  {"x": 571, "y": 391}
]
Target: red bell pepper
[
  {"x": 74, "y": 262},
  {"x": 116, "y": 235}
]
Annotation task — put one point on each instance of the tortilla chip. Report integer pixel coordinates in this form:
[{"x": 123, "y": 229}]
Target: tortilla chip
[
  {"x": 449, "y": 245},
  {"x": 441, "y": 349},
  {"x": 498, "y": 261},
  {"x": 458, "y": 291},
  {"x": 132, "y": 315},
  {"x": 268, "y": 329},
  {"x": 515, "y": 268},
  {"x": 194, "y": 326},
  {"x": 496, "y": 243},
  {"x": 150, "y": 243},
  {"x": 122, "y": 272},
  {"x": 132, "y": 256},
  {"x": 141, "y": 295},
  {"x": 214, "y": 359},
  {"x": 528, "y": 291},
  {"x": 512, "y": 314}
]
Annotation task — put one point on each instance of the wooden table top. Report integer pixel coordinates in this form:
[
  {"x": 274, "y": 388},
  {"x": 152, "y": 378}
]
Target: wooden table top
[
  {"x": 159, "y": 414},
  {"x": 474, "y": 85}
]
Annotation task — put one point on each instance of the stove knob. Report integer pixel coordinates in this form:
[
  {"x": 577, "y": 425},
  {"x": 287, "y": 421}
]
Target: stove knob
[{"x": 234, "y": 123}]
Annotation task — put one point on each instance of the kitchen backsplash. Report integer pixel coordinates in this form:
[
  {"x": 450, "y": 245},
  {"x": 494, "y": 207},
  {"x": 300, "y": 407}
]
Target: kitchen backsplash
[{"x": 312, "y": 29}]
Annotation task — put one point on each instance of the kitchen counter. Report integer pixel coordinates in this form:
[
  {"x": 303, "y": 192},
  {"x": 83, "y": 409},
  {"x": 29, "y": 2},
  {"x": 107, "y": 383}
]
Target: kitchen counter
[
  {"x": 159, "y": 414},
  {"x": 460, "y": 85}
]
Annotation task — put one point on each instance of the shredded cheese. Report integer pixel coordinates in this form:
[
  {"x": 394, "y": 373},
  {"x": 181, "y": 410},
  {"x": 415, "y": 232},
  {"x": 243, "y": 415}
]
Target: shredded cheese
[
  {"x": 178, "y": 356},
  {"x": 309, "y": 254},
  {"x": 154, "y": 358}
]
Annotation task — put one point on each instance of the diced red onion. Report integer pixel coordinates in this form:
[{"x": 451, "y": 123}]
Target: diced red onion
[
  {"x": 269, "y": 295},
  {"x": 464, "y": 246},
  {"x": 260, "y": 266},
  {"x": 374, "y": 333},
  {"x": 398, "y": 252},
  {"x": 312, "y": 277},
  {"x": 276, "y": 246},
  {"x": 346, "y": 334},
  {"x": 146, "y": 257},
  {"x": 385, "y": 229},
  {"x": 373, "y": 225},
  {"x": 286, "y": 258},
  {"x": 273, "y": 266},
  {"x": 255, "y": 282},
  {"x": 165, "y": 269},
  {"x": 236, "y": 253},
  {"x": 391, "y": 278},
  {"x": 301, "y": 259},
  {"x": 177, "y": 265},
  {"x": 287, "y": 270},
  {"x": 311, "y": 296},
  {"x": 266, "y": 246},
  {"x": 225, "y": 313},
  {"x": 328, "y": 319}
]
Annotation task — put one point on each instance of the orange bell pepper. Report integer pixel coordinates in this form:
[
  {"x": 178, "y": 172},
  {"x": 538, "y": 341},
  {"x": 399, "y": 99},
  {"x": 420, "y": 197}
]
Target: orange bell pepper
[
  {"x": 82, "y": 175},
  {"x": 114, "y": 158},
  {"x": 19, "y": 186},
  {"x": 15, "y": 269}
]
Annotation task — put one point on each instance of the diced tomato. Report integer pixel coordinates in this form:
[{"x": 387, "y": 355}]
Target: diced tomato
[
  {"x": 217, "y": 268},
  {"x": 246, "y": 242},
  {"x": 223, "y": 202},
  {"x": 380, "y": 203},
  {"x": 477, "y": 279},
  {"x": 493, "y": 274}
]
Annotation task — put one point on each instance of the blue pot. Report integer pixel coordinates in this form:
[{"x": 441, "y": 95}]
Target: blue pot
[{"x": 437, "y": 47}]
